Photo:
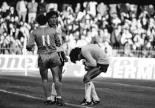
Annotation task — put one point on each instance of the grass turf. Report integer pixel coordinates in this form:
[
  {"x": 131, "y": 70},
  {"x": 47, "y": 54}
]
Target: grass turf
[{"x": 114, "y": 93}]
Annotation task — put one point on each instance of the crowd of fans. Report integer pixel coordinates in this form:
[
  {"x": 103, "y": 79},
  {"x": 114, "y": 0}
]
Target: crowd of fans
[{"x": 123, "y": 26}]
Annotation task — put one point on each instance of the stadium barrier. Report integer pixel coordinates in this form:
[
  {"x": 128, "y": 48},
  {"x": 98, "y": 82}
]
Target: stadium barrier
[{"x": 120, "y": 67}]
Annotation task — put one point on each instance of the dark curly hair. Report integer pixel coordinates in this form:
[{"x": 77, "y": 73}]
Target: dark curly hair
[
  {"x": 51, "y": 13},
  {"x": 74, "y": 54},
  {"x": 41, "y": 19},
  {"x": 52, "y": 18}
]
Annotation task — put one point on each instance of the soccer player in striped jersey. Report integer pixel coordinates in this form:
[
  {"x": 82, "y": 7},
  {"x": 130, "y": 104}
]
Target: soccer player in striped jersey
[
  {"x": 52, "y": 19},
  {"x": 47, "y": 42},
  {"x": 95, "y": 61}
]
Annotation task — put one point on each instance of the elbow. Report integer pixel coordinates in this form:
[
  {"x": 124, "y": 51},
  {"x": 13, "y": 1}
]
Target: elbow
[{"x": 92, "y": 64}]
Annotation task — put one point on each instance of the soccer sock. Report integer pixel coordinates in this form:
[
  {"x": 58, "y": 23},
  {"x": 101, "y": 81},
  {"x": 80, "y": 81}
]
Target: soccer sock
[
  {"x": 88, "y": 91},
  {"x": 93, "y": 92},
  {"x": 53, "y": 92},
  {"x": 46, "y": 89},
  {"x": 48, "y": 98},
  {"x": 58, "y": 86}
]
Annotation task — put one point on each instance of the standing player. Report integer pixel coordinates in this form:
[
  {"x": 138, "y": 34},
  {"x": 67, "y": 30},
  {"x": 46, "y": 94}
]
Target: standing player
[
  {"x": 53, "y": 22},
  {"x": 95, "y": 61},
  {"x": 47, "y": 42},
  {"x": 52, "y": 19}
]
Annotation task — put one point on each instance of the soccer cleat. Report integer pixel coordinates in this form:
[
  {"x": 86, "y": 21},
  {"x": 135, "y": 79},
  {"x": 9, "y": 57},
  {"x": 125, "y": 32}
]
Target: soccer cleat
[
  {"x": 60, "y": 102},
  {"x": 84, "y": 102},
  {"x": 49, "y": 102},
  {"x": 95, "y": 102}
]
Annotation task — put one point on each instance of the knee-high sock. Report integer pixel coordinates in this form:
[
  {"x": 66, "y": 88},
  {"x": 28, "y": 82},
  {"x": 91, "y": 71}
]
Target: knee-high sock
[
  {"x": 88, "y": 91},
  {"x": 46, "y": 89},
  {"x": 93, "y": 92},
  {"x": 53, "y": 92},
  {"x": 58, "y": 88}
]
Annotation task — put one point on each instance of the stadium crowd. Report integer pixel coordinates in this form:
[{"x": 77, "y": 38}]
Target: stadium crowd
[{"x": 124, "y": 26}]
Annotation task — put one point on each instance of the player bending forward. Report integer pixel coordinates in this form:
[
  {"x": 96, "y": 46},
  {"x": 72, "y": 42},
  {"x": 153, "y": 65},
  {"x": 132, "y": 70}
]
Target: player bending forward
[
  {"x": 47, "y": 42},
  {"x": 95, "y": 61}
]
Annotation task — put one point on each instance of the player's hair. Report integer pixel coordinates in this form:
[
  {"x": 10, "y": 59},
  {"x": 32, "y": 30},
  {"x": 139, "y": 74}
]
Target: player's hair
[
  {"x": 74, "y": 54},
  {"x": 51, "y": 13},
  {"x": 41, "y": 19}
]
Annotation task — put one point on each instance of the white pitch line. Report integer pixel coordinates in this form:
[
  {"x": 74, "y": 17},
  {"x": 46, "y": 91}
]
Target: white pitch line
[
  {"x": 33, "y": 97},
  {"x": 20, "y": 94}
]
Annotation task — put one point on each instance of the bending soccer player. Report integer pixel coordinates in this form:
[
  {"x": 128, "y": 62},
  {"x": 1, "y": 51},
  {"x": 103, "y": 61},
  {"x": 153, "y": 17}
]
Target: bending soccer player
[
  {"x": 52, "y": 19},
  {"x": 95, "y": 61},
  {"x": 47, "y": 42}
]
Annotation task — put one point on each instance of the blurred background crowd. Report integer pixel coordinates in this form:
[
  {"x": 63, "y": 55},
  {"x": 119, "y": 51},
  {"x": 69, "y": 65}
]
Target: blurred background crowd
[{"x": 129, "y": 29}]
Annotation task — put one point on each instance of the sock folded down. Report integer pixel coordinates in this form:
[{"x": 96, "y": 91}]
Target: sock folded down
[
  {"x": 88, "y": 91},
  {"x": 53, "y": 92},
  {"x": 94, "y": 93}
]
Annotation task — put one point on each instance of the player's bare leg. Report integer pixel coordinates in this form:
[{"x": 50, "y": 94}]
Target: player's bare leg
[
  {"x": 46, "y": 85},
  {"x": 89, "y": 86},
  {"x": 46, "y": 88},
  {"x": 58, "y": 84}
]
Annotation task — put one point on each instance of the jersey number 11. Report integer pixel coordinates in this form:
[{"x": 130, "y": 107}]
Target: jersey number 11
[{"x": 45, "y": 40}]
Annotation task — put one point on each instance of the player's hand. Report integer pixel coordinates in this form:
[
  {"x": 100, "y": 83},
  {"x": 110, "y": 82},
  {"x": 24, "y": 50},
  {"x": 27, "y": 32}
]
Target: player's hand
[
  {"x": 84, "y": 62},
  {"x": 86, "y": 68}
]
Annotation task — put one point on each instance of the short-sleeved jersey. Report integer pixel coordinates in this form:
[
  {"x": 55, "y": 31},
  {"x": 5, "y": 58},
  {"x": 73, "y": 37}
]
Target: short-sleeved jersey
[
  {"x": 46, "y": 39},
  {"x": 94, "y": 54}
]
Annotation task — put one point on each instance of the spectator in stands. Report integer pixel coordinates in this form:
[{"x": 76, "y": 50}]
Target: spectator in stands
[
  {"x": 5, "y": 9},
  {"x": 12, "y": 12},
  {"x": 150, "y": 10},
  {"x": 113, "y": 9},
  {"x": 77, "y": 7},
  {"x": 106, "y": 35},
  {"x": 102, "y": 9},
  {"x": 2, "y": 44},
  {"x": 114, "y": 17},
  {"x": 41, "y": 7},
  {"x": 16, "y": 46},
  {"x": 52, "y": 6},
  {"x": 128, "y": 48},
  {"x": 1, "y": 28},
  {"x": 123, "y": 12},
  {"x": 21, "y": 8},
  {"x": 32, "y": 11},
  {"x": 92, "y": 8}
]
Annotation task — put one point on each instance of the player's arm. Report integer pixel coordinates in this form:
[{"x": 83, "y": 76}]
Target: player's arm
[
  {"x": 89, "y": 63},
  {"x": 58, "y": 43},
  {"x": 89, "y": 60},
  {"x": 31, "y": 42},
  {"x": 57, "y": 40}
]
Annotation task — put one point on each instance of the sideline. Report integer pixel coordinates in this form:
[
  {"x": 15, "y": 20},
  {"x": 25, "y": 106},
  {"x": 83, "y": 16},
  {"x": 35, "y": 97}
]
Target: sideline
[
  {"x": 37, "y": 98},
  {"x": 127, "y": 85}
]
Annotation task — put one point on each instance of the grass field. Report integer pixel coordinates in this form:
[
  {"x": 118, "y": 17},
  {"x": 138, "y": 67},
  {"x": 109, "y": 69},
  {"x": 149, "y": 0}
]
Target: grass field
[{"x": 26, "y": 92}]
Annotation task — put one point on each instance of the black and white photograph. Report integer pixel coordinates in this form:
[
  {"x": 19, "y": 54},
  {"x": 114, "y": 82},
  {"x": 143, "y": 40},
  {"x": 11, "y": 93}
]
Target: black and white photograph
[{"x": 77, "y": 54}]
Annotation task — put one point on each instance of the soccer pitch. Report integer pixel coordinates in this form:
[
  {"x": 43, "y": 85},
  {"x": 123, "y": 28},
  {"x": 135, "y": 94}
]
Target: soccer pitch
[{"x": 26, "y": 92}]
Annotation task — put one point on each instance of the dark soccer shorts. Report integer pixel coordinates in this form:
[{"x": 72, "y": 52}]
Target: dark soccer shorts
[
  {"x": 49, "y": 60},
  {"x": 103, "y": 67}
]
